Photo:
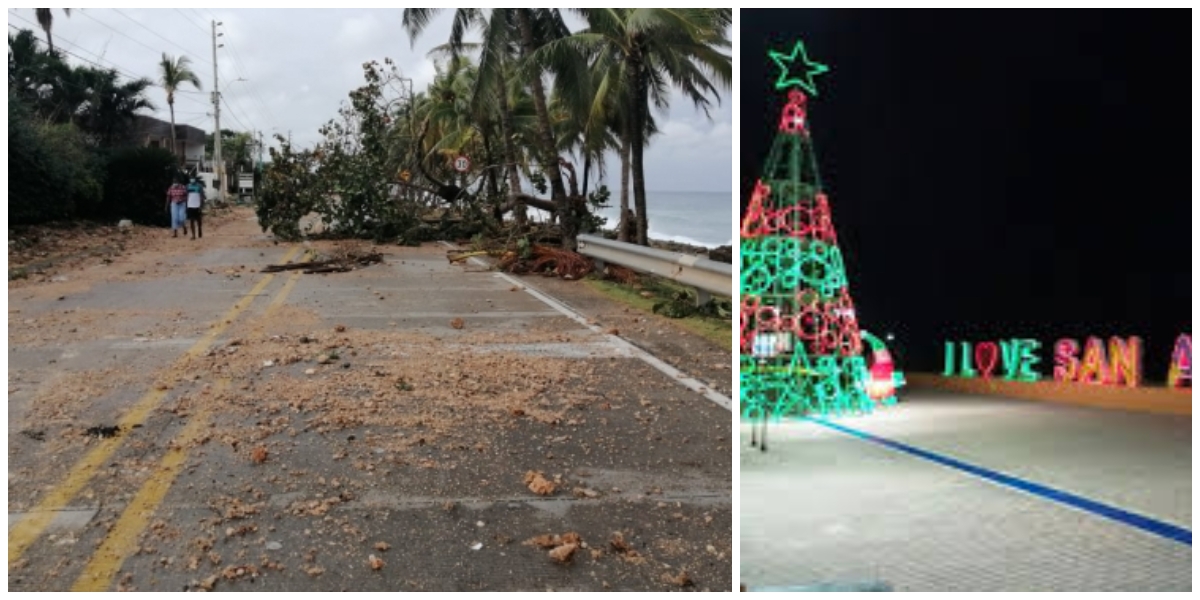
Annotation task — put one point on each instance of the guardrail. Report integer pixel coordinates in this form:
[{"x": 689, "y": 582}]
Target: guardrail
[{"x": 706, "y": 276}]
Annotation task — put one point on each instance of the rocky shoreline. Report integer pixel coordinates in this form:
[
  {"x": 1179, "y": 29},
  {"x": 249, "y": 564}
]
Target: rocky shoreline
[{"x": 719, "y": 253}]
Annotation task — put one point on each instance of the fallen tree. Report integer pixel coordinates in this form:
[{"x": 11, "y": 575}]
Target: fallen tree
[{"x": 349, "y": 262}]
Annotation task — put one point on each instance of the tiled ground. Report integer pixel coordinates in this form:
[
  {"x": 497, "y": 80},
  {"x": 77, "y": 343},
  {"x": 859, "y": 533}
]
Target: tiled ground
[{"x": 823, "y": 507}]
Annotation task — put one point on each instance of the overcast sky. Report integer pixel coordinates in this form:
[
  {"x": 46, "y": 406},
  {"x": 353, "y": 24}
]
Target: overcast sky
[{"x": 300, "y": 64}]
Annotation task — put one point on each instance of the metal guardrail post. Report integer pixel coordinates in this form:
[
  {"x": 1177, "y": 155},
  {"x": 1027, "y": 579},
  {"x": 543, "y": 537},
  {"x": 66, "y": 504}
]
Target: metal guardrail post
[{"x": 706, "y": 276}]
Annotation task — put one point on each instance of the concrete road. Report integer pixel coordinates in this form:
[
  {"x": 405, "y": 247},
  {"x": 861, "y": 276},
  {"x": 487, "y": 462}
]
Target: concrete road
[
  {"x": 946, "y": 492},
  {"x": 383, "y": 429}
]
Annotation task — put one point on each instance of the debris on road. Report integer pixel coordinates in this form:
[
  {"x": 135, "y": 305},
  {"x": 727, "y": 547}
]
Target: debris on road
[
  {"x": 104, "y": 431},
  {"x": 680, "y": 579},
  {"x": 375, "y": 562},
  {"x": 562, "y": 547},
  {"x": 233, "y": 572},
  {"x": 538, "y": 484},
  {"x": 624, "y": 550},
  {"x": 564, "y": 553},
  {"x": 349, "y": 262}
]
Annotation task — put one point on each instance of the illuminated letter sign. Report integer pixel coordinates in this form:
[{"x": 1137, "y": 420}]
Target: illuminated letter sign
[
  {"x": 1015, "y": 356},
  {"x": 1125, "y": 361},
  {"x": 1180, "y": 374},
  {"x": 1065, "y": 364}
]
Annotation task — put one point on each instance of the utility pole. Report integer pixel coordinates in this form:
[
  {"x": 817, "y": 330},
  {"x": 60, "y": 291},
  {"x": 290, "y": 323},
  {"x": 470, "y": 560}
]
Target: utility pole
[{"x": 220, "y": 165}]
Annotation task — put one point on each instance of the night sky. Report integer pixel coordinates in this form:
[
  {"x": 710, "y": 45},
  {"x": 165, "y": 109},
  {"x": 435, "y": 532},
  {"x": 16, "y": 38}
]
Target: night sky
[{"x": 996, "y": 173}]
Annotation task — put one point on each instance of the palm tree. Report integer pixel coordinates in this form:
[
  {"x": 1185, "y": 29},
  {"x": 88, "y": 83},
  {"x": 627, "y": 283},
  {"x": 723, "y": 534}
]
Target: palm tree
[
  {"x": 109, "y": 105},
  {"x": 505, "y": 31},
  {"x": 173, "y": 73},
  {"x": 37, "y": 77},
  {"x": 495, "y": 54},
  {"x": 647, "y": 52},
  {"x": 46, "y": 19}
]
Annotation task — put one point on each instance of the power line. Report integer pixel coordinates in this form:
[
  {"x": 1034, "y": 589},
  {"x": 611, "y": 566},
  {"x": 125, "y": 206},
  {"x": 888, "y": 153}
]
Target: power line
[
  {"x": 239, "y": 105},
  {"x": 234, "y": 114},
  {"x": 261, "y": 104},
  {"x": 119, "y": 12},
  {"x": 76, "y": 46},
  {"x": 236, "y": 59},
  {"x": 114, "y": 66},
  {"x": 190, "y": 21},
  {"x": 84, "y": 13}
]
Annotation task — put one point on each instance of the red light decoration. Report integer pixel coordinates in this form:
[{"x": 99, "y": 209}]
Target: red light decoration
[
  {"x": 986, "y": 355},
  {"x": 1121, "y": 364},
  {"x": 794, "y": 119},
  {"x": 756, "y": 222},
  {"x": 1066, "y": 366}
]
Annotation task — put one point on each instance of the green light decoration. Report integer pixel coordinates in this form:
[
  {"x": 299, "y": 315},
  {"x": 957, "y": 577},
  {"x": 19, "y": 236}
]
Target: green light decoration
[
  {"x": 801, "y": 348},
  {"x": 797, "y": 69},
  {"x": 1028, "y": 359}
]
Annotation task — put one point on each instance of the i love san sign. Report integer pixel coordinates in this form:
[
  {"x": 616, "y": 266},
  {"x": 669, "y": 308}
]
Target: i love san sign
[{"x": 1117, "y": 362}]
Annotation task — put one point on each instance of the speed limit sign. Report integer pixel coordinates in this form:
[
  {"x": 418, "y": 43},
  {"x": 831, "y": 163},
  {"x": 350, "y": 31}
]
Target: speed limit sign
[{"x": 462, "y": 164}]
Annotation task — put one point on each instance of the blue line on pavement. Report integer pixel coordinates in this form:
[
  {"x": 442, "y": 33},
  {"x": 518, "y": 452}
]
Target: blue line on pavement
[{"x": 1154, "y": 526}]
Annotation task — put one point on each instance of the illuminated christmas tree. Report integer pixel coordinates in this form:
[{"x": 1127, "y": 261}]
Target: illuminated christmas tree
[{"x": 801, "y": 348}]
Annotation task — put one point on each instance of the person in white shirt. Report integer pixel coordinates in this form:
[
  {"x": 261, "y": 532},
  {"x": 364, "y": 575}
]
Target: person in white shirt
[{"x": 195, "y": 206}]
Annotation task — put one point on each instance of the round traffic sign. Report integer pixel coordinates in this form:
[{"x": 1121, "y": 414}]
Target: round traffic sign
[{"x": 462, "y": 164}]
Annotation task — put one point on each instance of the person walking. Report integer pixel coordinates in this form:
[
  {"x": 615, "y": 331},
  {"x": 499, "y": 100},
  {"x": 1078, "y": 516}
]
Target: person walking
[
  {"x": 176, "y": 207},
  {"x": 195, "y": 206}
]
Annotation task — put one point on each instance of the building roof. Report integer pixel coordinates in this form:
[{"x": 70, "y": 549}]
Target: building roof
[{"x": 147, "y": 126}]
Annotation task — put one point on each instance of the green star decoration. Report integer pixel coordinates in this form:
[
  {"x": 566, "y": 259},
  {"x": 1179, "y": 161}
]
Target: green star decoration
[{"x": 796, "y": 69}]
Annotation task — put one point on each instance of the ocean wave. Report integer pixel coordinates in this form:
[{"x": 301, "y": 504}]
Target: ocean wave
[
  {"x": 611, "y": 222},
  {"x": 683, "y": 239}
]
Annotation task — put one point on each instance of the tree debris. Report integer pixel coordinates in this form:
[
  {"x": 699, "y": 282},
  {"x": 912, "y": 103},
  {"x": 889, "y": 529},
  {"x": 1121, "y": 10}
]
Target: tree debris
[
  {"x": 334, "y": 265},
  {"x": 104, "y": 431}
]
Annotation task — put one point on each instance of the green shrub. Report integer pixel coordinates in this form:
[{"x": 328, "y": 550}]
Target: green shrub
[
  {"x": 136, "y": 186},
  {"x": 53, "y": 171}
]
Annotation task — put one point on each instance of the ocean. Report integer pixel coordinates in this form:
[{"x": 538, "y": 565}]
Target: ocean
[{"x": 696, "y": 218}]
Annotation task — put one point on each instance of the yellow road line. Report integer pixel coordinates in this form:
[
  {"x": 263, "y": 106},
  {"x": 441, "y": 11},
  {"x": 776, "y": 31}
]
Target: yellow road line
[
  {"x": 22, "y": 535},
  {"x": 287, "y": 288},
  {"x": 122, "y": 539}
]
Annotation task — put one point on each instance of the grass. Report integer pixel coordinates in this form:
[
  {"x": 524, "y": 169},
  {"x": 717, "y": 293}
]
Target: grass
[{"x": 718, "y": 331}]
